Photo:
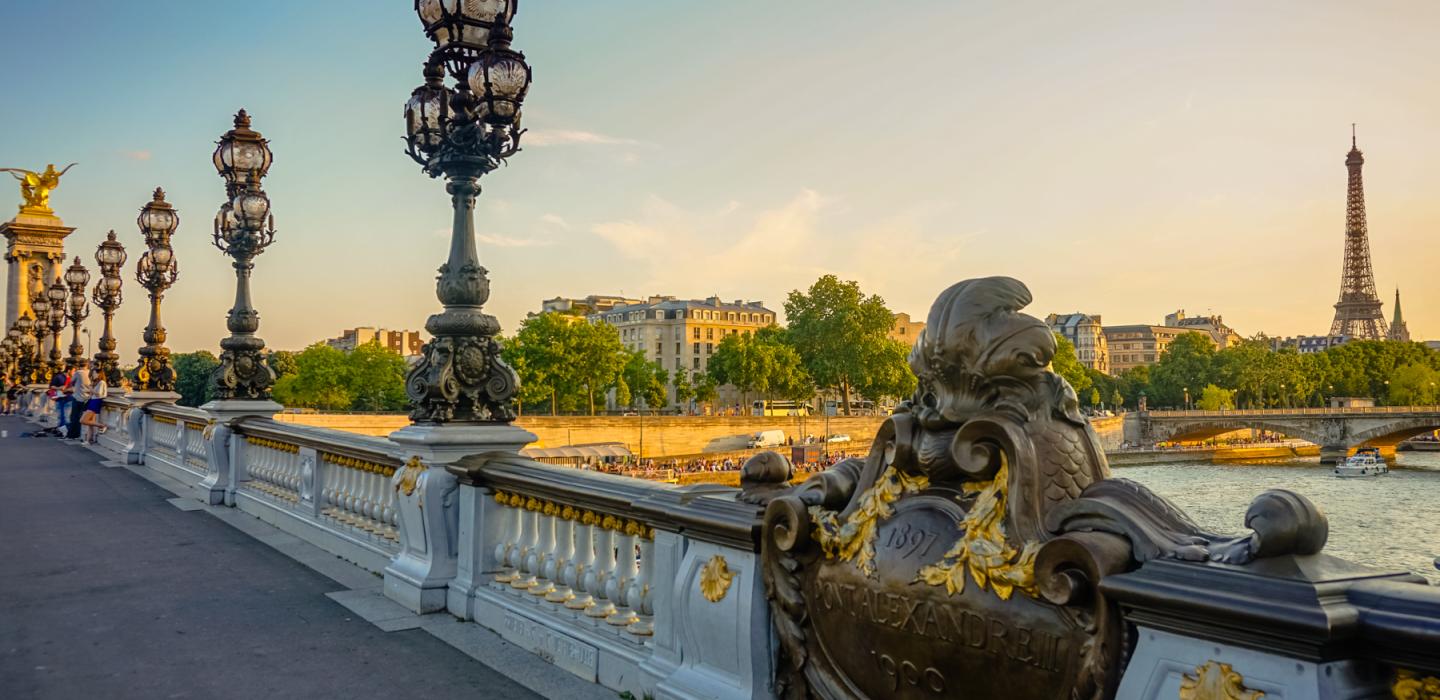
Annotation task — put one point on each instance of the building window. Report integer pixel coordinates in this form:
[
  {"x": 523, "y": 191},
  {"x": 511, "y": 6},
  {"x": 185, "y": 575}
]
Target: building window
[
  {"x": 697, "y": 348},
  {"x": 697, "y": 333},
  {"x": 677, "y": 363},
  {"x": 709, "y": 333},
  {"x": 677, "y": 348},
  {"x": 696, "y": 363},
  {"x": 709, "y": 348},
  {"x": 659, "y": 347}
]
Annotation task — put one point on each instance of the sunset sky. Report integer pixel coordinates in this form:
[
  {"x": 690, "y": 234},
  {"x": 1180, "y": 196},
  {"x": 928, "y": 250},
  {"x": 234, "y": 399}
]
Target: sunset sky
[{"x": 1123, "y": 159}]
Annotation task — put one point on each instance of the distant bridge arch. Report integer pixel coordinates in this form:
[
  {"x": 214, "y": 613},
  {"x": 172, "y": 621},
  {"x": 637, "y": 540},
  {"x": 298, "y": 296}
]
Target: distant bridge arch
[{"x": 1335, "y": 430}]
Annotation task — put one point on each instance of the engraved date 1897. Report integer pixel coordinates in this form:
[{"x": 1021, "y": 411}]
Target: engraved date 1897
[{"x": 911, "y": 541}]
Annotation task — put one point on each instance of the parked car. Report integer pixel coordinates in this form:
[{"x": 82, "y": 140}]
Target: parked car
[{"x": 839, "y": 437}]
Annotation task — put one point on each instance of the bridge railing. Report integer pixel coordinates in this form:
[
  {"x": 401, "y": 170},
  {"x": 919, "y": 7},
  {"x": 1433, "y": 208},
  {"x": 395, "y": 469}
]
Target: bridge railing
[
  {"x": 604, "y": 573},
  {"x": 1258, "y": 412},
  {"x": 175, "y": 440}
]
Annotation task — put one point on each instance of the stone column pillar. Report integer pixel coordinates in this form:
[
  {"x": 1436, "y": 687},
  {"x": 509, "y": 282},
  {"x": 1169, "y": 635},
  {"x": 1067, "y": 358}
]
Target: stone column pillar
[
  {"x": 134, "y": 452},
  {"x": 428, "y": 499},
  {"x": 226, "y": 467}
]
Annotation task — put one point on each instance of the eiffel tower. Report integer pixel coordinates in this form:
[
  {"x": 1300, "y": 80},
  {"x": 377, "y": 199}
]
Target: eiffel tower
[{"x": 1357, "y": 314}]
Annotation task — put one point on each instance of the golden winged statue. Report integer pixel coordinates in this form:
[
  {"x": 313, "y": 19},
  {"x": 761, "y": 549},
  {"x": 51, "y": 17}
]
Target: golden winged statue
[{"x": 35, "y": 187}]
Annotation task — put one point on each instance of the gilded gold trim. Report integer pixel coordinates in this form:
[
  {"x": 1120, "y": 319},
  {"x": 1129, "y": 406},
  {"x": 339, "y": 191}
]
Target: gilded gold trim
[
  {"x": 855, "y": 538},
  {"x": 164, "y": 419},
  {"x": 1216, "y": 681},
  {"x": 195, "y": 426},
  {"x": 410, "y": 475},
  {"x": 983, "y": 552},
  {"x": 715, "y": 578},
  {"x": 272, "y": 444},
  {"x": 358, "y": 464},
  {"x": 1410, "y": 685}
]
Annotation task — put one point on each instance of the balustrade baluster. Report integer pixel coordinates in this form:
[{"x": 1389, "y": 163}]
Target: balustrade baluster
[
  {"x": 544, "y": 565},
  {"x": 563, "y": 573},
  {"x": 582, "y": 571},
  {"x": 638, "y": 596},
  {"x": 604, "y": 570},
  {"x": 507, "y": 538},
  {"x": 526, "y": 578},
  {"x": 618, "y": 587}
]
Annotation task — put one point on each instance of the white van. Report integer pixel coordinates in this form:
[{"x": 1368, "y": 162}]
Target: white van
[{"x": 767, "y": 438}]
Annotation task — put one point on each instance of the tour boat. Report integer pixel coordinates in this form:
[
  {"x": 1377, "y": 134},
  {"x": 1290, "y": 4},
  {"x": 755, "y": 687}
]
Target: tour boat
[{"x": 1365, "y": 462}]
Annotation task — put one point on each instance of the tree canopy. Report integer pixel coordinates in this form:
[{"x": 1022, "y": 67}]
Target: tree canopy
[
  {"x": 369, "y": 378},
  {"x": 192, "y": 376},
  {"x": 842, "y": 339}
]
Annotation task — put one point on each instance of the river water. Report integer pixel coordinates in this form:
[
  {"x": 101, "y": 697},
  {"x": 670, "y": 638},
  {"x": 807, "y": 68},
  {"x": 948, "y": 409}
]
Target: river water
[{"x": 1389, "y": 522}]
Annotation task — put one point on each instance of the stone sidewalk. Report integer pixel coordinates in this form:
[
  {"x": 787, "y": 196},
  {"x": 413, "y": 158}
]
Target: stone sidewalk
[{"x": 113, "y": 587}]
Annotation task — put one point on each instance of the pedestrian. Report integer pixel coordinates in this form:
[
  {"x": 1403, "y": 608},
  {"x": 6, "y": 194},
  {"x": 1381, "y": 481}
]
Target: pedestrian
[
  {"x": 79, "y": 397},
  {"x": 5, "y": 393},
  {"x": 60, "y": 394},
  {"x": 91, "y": 417}
]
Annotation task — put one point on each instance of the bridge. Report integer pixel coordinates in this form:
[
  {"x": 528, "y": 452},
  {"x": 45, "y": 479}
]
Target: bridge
[{"x": 1336, "y": 430}]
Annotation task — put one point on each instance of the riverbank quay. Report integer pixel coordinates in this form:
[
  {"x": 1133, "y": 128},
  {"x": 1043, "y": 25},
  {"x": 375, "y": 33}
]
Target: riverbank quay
[
  {"x": 119, "y": 583},
  {"x": 1141, "y": 457}
]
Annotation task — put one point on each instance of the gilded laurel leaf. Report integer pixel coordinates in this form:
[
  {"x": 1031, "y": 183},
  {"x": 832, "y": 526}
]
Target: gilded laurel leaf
[
  {"x": 983, "y": 552},
  {"x": 410, "y": 475},
  {"x": 1409, "y": 685},
  {"x": 854, "y": 539},
  {"x": 1216, "y": 681}
]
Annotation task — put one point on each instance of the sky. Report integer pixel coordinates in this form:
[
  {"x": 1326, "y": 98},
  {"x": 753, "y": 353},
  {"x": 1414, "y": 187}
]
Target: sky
[{"x": 1125, "y": 159}]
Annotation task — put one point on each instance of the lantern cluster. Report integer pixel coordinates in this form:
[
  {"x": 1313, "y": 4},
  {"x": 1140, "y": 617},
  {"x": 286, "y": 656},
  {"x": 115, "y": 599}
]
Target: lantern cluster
[
  {"x": 476, "y": 123},
  {"x": 157, "y": 269},
  {"x": 244, "y": 223}
]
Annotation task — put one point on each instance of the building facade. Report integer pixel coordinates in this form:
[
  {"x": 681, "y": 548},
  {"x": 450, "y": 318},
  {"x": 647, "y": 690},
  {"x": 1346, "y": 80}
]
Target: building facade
[
  {"x": 405, "y": 343},
  {"x": 1223, "y": 335},
  {"x": 1306, "y": 344},
  {"x": 905, "y": 330},
  {"x": 1086, "y": 333},
  {"x": 682, "y": 334},
  {"x": 1136, "y": 346}
]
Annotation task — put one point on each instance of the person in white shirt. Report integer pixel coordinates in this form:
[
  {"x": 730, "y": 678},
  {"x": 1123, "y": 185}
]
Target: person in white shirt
[
  {"x": 97, "y": 391},
  {"x": 80, "y": 395}
]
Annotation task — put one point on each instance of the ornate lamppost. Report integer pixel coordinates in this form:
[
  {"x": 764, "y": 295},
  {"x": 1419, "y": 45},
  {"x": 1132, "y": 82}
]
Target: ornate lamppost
[
  {"x": 244, "y": 227},
  {"x": 156, "y": 271},
  {"x": 10, "y": 354},
  {"x": 29, "y": 347},
  {"x": 110, "y": 256},
  {"x": 57, "y": 295},
  {"x": 461, "y": 133},
  {"x": 76, "y": 277},
  {"x": 40, "y": 324}
]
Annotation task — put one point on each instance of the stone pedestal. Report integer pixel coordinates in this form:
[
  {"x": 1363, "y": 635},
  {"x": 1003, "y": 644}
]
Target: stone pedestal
[
  {"x": 31, "y": 239},
  {"x": 427, "y": 497},
  {"x": 135, "y": 421},
  {"x": 223, "y": 477}
]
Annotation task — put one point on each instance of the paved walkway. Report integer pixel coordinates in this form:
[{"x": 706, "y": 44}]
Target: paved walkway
[{"x": 110, "y": 590}]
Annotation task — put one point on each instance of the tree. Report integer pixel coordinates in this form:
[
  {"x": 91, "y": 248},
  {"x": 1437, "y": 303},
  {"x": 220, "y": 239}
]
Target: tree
[
  {"x": 643, "y": 380},
  {"x": 1094, "y": 396},
  {"x": 763, "y": 363},
  {"x": 282, "y": 362},
  {"x": 889, "y": 375},
  {"x": 1133, "y": 382},
  {"x": 1413, "y": 385},
  {"x": 192, "y": 376},
  {"x": 705, "y": 387},
  {"x": 1213, "y": 398},
  {"x": 542, "y": 354},
  {"x": 684, "y": 389},
  {"x": 376, "y": 378},
  {"x": 1116, "y": 400},
  {"x": 321, "y": 380},
  {"x": 598, "y": 359},
  {"x": 1065, "y": 364},
  {"x": 1185, "y": 365},
  {"x": 839, "y": 333}
]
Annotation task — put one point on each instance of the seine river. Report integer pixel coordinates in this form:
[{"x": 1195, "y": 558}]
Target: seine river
[{"x": 1390, "y": 522}]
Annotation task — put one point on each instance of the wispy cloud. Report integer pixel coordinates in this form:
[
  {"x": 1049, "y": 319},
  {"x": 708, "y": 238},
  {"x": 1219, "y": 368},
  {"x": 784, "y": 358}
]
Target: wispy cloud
[
  {"x": 565, "y": 137},
  {"x": 500, "y": 241},
  {"x": 136, "y": 155},
  {"x": 555, "y": 220}
]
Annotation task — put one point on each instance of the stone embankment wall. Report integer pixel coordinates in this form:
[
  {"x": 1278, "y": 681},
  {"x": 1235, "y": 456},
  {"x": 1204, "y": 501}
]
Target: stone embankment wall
[{"x": 663, "y": 435}]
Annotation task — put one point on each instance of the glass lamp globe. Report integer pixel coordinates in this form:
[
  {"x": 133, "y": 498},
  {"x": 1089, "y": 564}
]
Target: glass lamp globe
[
  {"x": 76, "y": 276},
  {"x": 161, "y": 257},
  {"x": 158, "y": 219},
  {"x": 500, "y": 80},
  {"x": 251, "y": 208},
  {"x": 110, "y": 253},
  {"x": 427, "y": 110},
  {"x": 242, "y": 153},
  {"x": 57, "y": 294}
]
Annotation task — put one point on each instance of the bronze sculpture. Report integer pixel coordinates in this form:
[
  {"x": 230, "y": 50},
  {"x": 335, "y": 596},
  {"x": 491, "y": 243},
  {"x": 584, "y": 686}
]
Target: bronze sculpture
[
  {"x": 963, "y": 556},
  {"x": 35, "y": 187}
]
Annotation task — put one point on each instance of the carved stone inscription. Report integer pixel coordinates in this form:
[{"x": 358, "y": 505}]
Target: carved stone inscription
[
  {"x": 562, "y": 650},
  {"x": 925, "y": 643}
]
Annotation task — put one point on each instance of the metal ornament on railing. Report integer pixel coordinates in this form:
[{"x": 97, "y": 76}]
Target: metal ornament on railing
[
  {"x": 244, "y": 227},
  {"x": 156, "y": 271},
  {"x": 76, "y": 277},
  {"x": 110, "y": 256},
  {"x": 461, "y": 133}
]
